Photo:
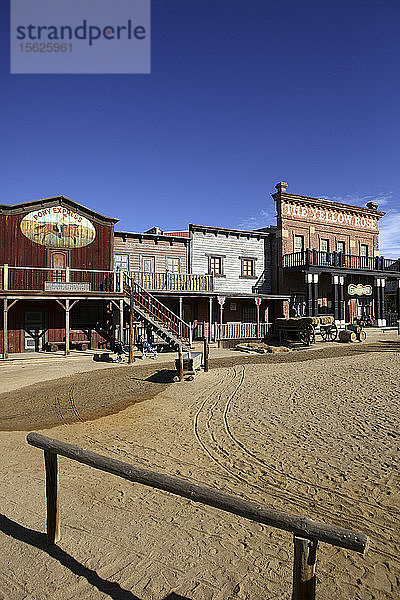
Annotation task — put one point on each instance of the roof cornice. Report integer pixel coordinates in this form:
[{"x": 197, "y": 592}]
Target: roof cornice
[
  {"x": 54, "y": 201},
  {"x": 328, "y": 204}
]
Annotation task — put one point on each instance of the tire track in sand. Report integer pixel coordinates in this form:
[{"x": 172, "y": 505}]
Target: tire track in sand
[{"x": 216, "y": 437}]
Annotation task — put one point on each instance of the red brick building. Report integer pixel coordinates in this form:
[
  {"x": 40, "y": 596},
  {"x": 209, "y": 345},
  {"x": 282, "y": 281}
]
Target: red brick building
[{"x": 327, "y": 257}]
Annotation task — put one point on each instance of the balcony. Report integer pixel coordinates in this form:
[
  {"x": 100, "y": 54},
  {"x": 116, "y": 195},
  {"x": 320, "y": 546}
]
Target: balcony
[
  {"x": 48, "y": 281},
  {"x": 305, "y": 259},
  {"x": 173, "y": 282}
]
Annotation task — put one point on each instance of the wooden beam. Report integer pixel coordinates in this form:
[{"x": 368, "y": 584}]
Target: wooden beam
[
  {"x": 180, "y": 356},
  {"x": 67, "y": 327},
  {"x": 5, "y": 328},
  {"x": 132, "y": 302},
  {"x": 301, "y": 526},
  {"x": 206, "y": 352},
  {"x": 305, "y": 556},
  {"x": 53, "y": 522},
  {"x": 121, "y": 320}
]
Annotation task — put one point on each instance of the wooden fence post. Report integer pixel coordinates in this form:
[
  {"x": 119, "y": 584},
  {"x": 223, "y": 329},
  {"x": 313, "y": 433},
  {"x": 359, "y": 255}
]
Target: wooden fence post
[
  {"x": 181, "y": 377},
  {"x": 53, "y": 521},
  {"x": 305, "y": 555},
  {"x": 206, "y": 350},
  {"x": 130, "y": 359}
]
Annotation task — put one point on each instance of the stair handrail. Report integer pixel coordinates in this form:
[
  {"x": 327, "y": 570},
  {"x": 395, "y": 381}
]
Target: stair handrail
[{"x": 164, "y": 309}]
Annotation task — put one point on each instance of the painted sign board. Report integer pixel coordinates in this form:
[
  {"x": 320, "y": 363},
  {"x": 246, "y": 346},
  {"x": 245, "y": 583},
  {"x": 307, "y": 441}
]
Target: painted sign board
[
  {"x": 66, "y": 286},
  {"x": 330, "y": 216},
  {"x": 359, "y": 290},
  {"x": 58, "y": 227}
]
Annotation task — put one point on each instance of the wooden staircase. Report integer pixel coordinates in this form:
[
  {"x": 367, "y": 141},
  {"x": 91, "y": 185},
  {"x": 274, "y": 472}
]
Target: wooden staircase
[{"x": 163, "y": 322}]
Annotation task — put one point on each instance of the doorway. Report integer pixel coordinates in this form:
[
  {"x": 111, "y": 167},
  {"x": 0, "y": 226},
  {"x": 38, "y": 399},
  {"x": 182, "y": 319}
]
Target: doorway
[
  {"x": 58, "y": 261},
  {"x": 33, "y": 331}
]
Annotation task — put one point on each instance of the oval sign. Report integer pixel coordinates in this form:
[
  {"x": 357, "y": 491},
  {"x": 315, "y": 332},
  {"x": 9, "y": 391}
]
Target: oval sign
[{"x": 58, "y": 227}]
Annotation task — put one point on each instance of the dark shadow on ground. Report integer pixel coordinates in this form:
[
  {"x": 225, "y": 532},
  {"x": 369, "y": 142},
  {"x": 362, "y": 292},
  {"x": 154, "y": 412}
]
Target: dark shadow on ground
[
  {"x": 163, "y": 376},
  {"x": 38, "y": 540}
]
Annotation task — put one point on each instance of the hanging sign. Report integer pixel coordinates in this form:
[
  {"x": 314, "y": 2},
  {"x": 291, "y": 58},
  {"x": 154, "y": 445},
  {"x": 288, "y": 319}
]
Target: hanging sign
[
  {"x": 58, "y": 227},
  {"x": 359, "y": 290}
]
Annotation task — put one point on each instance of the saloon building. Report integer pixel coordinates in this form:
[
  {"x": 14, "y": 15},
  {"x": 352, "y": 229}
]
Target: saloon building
[{"x": 327, "y": 258}]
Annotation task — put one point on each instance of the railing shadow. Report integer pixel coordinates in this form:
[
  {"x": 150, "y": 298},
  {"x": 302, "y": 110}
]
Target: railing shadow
[{"x": 38, "y": 540}]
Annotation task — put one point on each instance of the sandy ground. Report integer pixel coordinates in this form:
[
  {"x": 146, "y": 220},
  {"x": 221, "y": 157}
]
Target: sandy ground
[{"x": 312, "y": 433}]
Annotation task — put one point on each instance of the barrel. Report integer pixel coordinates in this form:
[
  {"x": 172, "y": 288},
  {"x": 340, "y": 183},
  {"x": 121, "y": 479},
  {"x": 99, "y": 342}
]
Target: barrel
[
  {"x": 345, "y": 335},
  {"x": 362, "y": 336}
]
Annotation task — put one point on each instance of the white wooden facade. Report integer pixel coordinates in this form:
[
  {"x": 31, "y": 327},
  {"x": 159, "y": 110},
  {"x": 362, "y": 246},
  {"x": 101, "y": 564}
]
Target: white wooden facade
[{"x": 243, "y": 258}]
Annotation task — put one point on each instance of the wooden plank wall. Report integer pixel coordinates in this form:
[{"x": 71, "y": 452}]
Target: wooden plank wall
[
  {"x": 231, "y": 247},
  {"x": 17, "y": 250},
  {"x": 159, "y": 247}
]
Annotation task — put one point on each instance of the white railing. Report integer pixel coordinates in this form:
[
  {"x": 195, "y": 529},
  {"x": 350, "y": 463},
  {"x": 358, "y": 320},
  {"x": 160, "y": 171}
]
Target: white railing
[
  {"x": 174, "y": 282},
  {"x": 238, "y": 331}
]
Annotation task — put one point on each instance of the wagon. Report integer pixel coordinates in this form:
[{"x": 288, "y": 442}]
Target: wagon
[{"x": 306, "y": 328}]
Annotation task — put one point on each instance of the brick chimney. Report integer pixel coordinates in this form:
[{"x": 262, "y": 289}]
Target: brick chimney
[{"x": 281, "y": 187}]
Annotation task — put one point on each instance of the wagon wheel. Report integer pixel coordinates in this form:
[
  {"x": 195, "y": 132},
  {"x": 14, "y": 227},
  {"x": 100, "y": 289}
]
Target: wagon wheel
[
  {"x": 306, "y": 333},
  {"x": 329, "y": 332}
]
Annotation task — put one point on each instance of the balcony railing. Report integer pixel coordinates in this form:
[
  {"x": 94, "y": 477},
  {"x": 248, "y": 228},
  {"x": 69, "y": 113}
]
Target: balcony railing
[
  {"x": 36, "y": 279},
  {"x": 338, "y": 260},
  {"x": 46, "y": 279},
  {"x": 173, "y": 282}
]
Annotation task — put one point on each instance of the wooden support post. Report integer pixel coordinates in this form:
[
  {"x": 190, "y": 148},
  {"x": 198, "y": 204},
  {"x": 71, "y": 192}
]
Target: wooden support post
[
  {"x": 67, "y": 327},
  {"x": 121, "y": 321},
  {"x": 5, "y": 277},
  {"x": 5, "y": 328},
  {"x": 53, "y": 520},
  {"x": 210, "y": 312},
  {"x": 180, "y": 307},
  {"x": 131, "y": 358},
  {"x": 305, "y": 556},
  {"x": 206, "y": 352},
  {"x": 180, "y": 353},
  {"x": 258, "y": 302}
]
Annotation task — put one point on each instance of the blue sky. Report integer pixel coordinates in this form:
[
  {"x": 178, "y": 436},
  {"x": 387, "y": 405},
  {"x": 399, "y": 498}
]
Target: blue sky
[{"x": 242, "y": 94}]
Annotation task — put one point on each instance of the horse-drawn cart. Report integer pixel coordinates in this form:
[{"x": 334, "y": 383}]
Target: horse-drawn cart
[{"x": 305, "y": 329}]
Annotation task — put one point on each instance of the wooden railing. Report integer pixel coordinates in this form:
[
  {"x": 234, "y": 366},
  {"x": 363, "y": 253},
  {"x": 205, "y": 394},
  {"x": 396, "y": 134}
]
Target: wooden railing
[
  {"x": 173, "y": 282},
  {"x": 338, "y": 260},
  {"x": 237, "y": 331},
  {"x": 154, "y": 308},
  {"x": 307, "y": 532},
  {"x": 43, "y": 279}
]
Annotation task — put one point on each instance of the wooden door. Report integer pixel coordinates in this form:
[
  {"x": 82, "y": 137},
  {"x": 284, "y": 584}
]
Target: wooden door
[{"x": 58, "y": 262}]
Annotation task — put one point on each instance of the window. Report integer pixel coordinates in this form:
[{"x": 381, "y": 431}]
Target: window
[
  {"x": 148, "y": 264},
  {"x": 173, "y": 264},
  {"x": 298, "y": 243},
  {"x": 248, "y": 267},
  {"x": 215, "y": 265},
  {"x": 121, "y": 262},
  {"x": 324, "y": 245},
  {"x": 341, "y": 247},
  {"x": 364, "y": 250},
  {"x": 249, "y": 313}
]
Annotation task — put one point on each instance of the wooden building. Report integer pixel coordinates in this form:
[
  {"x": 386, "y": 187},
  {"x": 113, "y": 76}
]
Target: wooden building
[
  {"x": 327, "y": 257},
  {"x": 56, "y": 276},
  {"x": 240, "y": 263}
]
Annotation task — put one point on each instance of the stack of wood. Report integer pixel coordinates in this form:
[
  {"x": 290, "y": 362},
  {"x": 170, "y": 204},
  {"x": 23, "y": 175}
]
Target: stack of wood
[
  {"x": 260, "y": 348},
  {"x": 321, "y": 320}
]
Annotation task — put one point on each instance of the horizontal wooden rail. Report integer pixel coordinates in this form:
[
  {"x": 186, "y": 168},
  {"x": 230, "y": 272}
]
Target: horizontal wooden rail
[{"x": 303, "y": 527}]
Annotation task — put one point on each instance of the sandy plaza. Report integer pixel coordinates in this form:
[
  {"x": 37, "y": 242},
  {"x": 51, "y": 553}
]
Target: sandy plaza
[{"x": 312, "y": 433}]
